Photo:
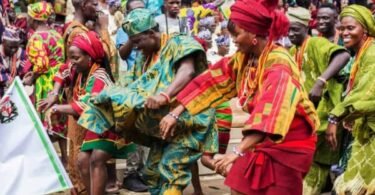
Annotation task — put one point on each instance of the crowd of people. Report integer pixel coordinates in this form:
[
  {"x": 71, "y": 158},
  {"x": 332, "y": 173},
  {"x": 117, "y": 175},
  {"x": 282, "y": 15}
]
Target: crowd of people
[{"x": 150, "y": 82}]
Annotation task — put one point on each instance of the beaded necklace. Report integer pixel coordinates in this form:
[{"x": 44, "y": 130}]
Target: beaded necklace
[
  {"x": 300, "y": 53},
  {"x": 79, "y": 89},
  {"x": 250, "y": 84}
]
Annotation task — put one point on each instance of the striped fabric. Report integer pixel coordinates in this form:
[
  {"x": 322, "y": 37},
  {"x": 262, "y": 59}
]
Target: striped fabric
[
  {"x": 274, "y": 104},
  {"x": 224, "y": 124}
]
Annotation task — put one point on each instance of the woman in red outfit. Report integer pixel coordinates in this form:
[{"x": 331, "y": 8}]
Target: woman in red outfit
[{"x": 279, "y": 137}]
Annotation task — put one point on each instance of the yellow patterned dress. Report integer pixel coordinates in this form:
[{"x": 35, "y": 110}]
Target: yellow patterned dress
[{"x": 45, "y": 51}]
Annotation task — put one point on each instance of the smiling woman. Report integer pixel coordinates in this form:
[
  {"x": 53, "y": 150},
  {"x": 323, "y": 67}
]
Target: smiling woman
[
  {"x": 353, "y": 33},
  {"x": 358, "y": 107},
  {"x": 86, "y": 53}
]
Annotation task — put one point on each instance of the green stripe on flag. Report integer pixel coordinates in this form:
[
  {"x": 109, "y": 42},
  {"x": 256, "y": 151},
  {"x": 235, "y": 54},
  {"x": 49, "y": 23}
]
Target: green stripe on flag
[{"x": 40, "y": 130}]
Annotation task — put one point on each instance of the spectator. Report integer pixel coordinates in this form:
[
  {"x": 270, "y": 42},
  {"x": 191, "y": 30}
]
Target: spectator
[{"x": 169, "y": 22}]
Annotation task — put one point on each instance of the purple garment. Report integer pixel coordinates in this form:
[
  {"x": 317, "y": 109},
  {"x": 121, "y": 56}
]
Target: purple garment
[{"x": 209, "y": 6}]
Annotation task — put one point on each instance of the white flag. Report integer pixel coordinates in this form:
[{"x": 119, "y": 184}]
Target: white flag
[{"x": 28, "y": 162}]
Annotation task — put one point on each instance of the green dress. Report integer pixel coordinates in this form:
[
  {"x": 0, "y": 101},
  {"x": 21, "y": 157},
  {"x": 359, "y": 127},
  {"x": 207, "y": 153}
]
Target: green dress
[
  {"x": 317, "y": 54},
  {"x": 359, "y": 105},
  {"x": 122, "y": 108}
]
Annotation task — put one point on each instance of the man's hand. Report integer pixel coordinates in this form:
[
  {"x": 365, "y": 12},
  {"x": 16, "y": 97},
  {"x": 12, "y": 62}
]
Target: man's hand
[
  {"x": 155, "y": 102},
  {"x": 331, "y": 135},
  {"x": 167, "y": 127},
  {"x": 45, "y": 104},
  {"x": 316, "y": 92}
]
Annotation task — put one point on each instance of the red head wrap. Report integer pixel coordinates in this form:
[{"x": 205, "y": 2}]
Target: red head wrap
[
  {"x": 260, "y": 17},
  {"x": 91, "y": 44}
]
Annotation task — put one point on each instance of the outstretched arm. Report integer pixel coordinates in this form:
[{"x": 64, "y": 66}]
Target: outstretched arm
[
  {"x": 209, "y": 89},
  {"x": 52, "y": 98},
  {"x": 185, "y": 73},
  {"x": 64, "y": 109},
  {"x": 337, "y": 63}
]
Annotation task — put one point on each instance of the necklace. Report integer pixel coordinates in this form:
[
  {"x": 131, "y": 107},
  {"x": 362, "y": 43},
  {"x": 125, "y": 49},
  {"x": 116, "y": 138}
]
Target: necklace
[
  {"x": 300, "y": 54},
  {"x": 252, "y": 79},
  {"x": 79, "y": 89},
  {"x": 248, "y": 83}
]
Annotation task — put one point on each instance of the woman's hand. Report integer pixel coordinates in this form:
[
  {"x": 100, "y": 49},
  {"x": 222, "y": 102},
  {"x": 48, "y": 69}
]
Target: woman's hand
[
  {"x": 45, "y": 104},
  {"x": 223, "y": 165},
  {"x": 167, "y": 127},
  {"x": 155, "y": 102},
  {"x": 331, "y": 135},
  {"x": 28, "y": 79},
  {"x": 49, "y": 114}
]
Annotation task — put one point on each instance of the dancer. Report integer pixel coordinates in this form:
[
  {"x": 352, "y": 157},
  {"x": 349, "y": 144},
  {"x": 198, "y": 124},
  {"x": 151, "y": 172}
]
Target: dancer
[
  {"x": 279, "y": 137},
  {"x": 357, "y": 109}
]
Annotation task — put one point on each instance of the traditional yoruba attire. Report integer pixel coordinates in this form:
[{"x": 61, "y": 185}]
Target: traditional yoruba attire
[
  {"x": 278, "y": 105},
  {"x": 359, "y": 106},
  {"x": 313, "y": 58},
  {"x": 83, "y": 90},
  {"x": 45, "y": 51},
  {"x": 11, "y": 66},
  {"x": 168, "y": 166},
  {"x": 76, "y": 133},
  {"x": 65, "y": 75},
  {"x": 223, "y": 111}
]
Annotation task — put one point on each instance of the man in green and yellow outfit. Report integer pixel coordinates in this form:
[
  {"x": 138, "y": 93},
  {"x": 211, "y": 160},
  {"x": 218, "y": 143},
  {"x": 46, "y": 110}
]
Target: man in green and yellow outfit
[
  {"x": 166, "y": 65},
  {"x": 319, "y": 60}
]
